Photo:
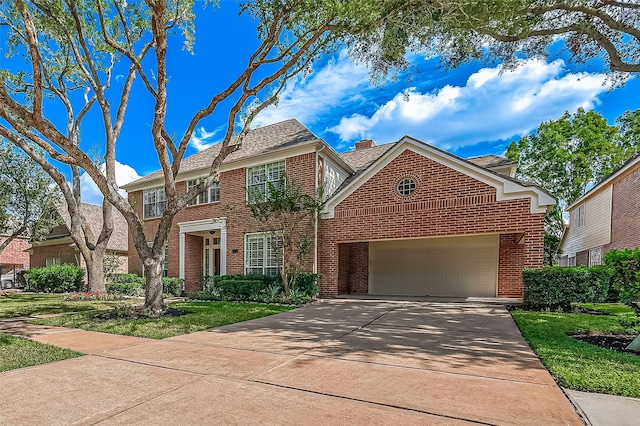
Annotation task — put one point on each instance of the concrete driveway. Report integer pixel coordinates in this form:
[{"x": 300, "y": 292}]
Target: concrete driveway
[{"x": 334, "y": 362}]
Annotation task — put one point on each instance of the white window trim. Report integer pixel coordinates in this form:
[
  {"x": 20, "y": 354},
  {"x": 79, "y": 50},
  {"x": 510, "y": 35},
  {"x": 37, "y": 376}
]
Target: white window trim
[
  {"x": 208, "y": 193},
  {"x": 52, "y": 261},
  {"x": 266, "y": 167},
  {"x": 595, "y": 256},
  {"x": 581, "y": 215},
  {"x": 265, "y": 258},
  {"x": 145, "y": 204}
]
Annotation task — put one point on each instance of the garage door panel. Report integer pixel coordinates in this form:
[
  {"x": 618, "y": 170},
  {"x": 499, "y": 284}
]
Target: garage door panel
[{"x": 457, "y": 266}]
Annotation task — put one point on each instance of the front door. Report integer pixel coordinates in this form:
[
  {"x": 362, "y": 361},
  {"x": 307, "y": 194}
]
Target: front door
[{"x": 211, "y": 256}]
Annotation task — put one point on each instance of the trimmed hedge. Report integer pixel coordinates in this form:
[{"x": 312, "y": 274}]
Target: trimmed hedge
[
  {"x": 259, "y": 288},
  {"x": 173, "y": 286},
  {"x": 554, "y": 287},
  {"x": 56, "y": 279},
  {"x": 134, "y": 285},
  {"x": 134, "y": 289},
  {"x": 624, "y": 266}
]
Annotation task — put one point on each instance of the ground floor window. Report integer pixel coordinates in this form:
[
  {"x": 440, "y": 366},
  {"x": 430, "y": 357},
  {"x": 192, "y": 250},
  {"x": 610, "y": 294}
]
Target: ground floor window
[
  {"x": 595, "y": 256},
  {"x": 51, "y": 261},
  {"x": 263, "y": 254}
]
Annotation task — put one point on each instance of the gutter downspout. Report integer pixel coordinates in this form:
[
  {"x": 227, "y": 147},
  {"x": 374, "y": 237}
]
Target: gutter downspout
[{"x": 315, "y": 231}]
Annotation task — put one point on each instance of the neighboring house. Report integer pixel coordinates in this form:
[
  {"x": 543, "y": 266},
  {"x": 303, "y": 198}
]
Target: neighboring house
[
  {"x": 15, "y": 255},
  {"x": 402, "y": 219},
  {"x": 57, "y": 247},
  {"x": 605, "y": 218}
]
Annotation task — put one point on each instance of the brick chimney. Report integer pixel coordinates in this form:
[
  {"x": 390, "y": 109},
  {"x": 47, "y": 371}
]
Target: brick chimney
[{"x": 365, "y": 143}]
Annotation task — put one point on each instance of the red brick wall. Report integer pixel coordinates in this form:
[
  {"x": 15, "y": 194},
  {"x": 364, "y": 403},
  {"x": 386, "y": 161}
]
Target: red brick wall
[
  {"x": 510, "y": 264},
  {"x": 353, "y": 269},
  {"x": 625, "y": 211},
  {"x": 232, "y": 205},
  {"x": 15, "y": 254},
  {"x": 445, "y": 203},
  {"x": 68, "y": 255}
]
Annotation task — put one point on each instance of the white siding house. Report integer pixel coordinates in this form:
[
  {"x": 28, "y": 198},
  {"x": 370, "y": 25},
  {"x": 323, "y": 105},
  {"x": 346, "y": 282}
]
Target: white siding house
[{"x": 589, "y": 227}]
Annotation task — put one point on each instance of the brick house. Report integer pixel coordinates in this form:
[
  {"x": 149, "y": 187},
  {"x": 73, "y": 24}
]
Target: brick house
[
  {"x": 14, "y": 256},
  {"x": 402, "y": 219},
  {"x": 605, "y": 218},
  {"x": 57, "y": 247}
]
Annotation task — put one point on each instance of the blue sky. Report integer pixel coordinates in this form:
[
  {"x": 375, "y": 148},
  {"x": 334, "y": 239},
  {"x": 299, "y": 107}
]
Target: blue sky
[{"x": 473, "y": 110}]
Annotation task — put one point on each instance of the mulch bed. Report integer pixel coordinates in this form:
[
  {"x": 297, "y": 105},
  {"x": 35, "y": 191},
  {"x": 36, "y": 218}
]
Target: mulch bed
[
  {"x": 617, "y": 342},
  {"x": 133, "y": 312}
]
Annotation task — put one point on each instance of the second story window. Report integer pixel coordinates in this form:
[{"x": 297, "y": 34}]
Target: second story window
[
  {"x": 580, "y": 215},
  {"x": 259, "y": 178},
  {"x": 155, "y": 201},
  {"x": 210, "y": 195}
]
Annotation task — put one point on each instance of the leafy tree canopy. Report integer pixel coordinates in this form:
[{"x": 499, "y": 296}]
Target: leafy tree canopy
[
  {"x": 27, "y": 197},
  {"x": 570, "y": 155}
]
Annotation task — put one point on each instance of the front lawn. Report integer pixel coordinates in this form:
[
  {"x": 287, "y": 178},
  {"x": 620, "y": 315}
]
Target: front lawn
[
  {"x": 27, "y": 304},
  {"x": 17, "y": 352},
  {"x": 578, "y": 365},
  {"x": 199, "y": 316}
]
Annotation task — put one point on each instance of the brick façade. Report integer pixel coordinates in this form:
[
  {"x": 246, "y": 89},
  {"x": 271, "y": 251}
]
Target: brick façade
[
  {"x": 233, "y": 207},
  {"x": 625, "y": 211},
  {"x": 445, "y": 203},
  {"x": 15, "y": 255}
]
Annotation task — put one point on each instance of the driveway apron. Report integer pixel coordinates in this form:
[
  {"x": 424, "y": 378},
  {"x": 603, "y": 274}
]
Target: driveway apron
[{"x": 333, "y": 362}]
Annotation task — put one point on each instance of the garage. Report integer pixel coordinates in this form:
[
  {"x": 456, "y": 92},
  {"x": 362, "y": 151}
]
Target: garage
[{"x": 453, "y": 266}]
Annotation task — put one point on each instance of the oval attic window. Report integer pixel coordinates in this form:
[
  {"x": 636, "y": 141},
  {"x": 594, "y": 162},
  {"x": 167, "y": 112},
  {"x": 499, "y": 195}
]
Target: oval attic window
[{"x": 406, "y": 187}]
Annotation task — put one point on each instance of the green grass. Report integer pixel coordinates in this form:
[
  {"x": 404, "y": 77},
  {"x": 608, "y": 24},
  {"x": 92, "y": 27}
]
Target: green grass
[
  {"x": 200, "y": 316},
  {"x": 17, "y": 352},
  {"x": 579, "y": 365},
  {"x": 27, "y": 304}
]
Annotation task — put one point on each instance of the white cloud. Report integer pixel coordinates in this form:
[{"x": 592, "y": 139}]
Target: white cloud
[
  {"x": 201, "y": 139},
  {"x": 89, "y": 190},
  {"x": 305, "y": 97},
  {"x": 494, "y": 104}
]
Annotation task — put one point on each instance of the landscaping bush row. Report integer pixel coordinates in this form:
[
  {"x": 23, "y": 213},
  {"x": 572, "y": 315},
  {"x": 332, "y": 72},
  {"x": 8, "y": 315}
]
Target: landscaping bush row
[
  {"x": 56, "y": 279},
  {"x": 554, "y": 287},
  {"x": 259, "y": 288},
  {"x": 617, "y": 280},
  {"x": 133, "y": 285}
]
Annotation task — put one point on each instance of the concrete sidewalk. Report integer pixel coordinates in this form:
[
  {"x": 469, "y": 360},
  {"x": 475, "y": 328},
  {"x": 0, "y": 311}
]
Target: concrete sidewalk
[
  {"x": 603, "y": 410},
  {"x": 333, "y": 362}
]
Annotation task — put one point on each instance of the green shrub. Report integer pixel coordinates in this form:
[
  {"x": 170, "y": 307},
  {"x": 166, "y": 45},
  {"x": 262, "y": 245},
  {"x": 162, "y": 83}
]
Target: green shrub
[
  {"x": 258, "y": 288},
  {"x": 173, "y": 286},
  {"x": 129, "y": 278},
  {"x": 624, "y": 266},
  {"x": 307, "y": 284},
  {"x": 237, "y": 289},
  {"x": 56, "y": 279},
  {"x": 553, "y": 287},
  {"x": 126, "y": 288}
]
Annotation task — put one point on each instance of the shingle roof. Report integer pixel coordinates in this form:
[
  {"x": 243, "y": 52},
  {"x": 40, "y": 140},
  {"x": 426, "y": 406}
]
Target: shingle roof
[
  {"x": 490, "y": 161},
  {"x": 258, "y": 141},
  {"x": 119, "y": 240},
  {"x": 360, "y": 159}
]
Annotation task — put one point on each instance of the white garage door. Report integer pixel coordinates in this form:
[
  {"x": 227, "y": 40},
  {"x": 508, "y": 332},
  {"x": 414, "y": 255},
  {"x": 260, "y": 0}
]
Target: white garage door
[{"x": 456, "y": 266}]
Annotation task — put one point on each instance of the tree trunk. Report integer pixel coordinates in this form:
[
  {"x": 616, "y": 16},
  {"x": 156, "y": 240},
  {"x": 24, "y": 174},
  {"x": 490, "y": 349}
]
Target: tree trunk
[
  {"x": 153, "y": 300},
  {"x": 95, "y": 270}
]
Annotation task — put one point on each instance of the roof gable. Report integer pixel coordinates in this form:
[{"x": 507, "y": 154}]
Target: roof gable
[
  {"x": 119, "y": 240},
  {"x": 632, "y": 162},
  {"x": 506, "y": 188}
]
